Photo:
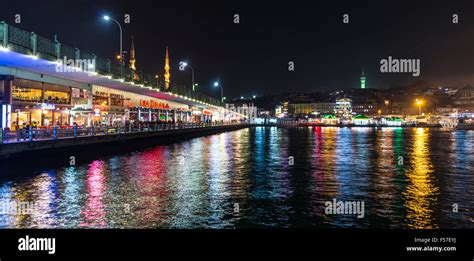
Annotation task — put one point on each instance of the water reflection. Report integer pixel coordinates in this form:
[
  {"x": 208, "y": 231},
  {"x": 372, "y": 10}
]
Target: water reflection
[
  {"x": 260, "y": 177},
  {"x": 387, "y": 177},
  {"x": 94, "y": 211},
  {"x": 421, "y": 192}
]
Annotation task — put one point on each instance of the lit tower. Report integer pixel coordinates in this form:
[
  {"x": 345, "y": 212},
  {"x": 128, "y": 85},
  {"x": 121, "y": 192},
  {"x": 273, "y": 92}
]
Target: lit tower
[
  {"x": 132, "y": 62},
  {"x": 362, "y": 79},
  {"x": 167, "y": 70},
  {"x": 132, "y": 57}
]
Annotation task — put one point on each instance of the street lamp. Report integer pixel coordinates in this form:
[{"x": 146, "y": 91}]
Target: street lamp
[
  {"x": 254, "y": 96},
  {"x": 216, "y": 84},
  {"x": 183, "y": 66},
  {"x": 386, "y": 104},
  {"x": 419, "y": 103},
  {"x": 107, "y": 18}
]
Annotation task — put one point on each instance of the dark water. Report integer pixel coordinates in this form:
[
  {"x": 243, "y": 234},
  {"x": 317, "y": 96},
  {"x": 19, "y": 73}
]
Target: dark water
[{"x": 245, "y": 179}]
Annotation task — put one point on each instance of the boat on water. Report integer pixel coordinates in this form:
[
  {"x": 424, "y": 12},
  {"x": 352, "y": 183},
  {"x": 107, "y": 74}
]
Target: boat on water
[
  {"x": 457, "y": 123},
  {"x": 449, "y": 123}
]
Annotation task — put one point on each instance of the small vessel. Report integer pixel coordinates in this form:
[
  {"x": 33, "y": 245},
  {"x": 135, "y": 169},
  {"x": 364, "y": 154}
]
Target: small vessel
[
  {"x": 465, "y": 124},
  {"x": 448, "y": 122}
]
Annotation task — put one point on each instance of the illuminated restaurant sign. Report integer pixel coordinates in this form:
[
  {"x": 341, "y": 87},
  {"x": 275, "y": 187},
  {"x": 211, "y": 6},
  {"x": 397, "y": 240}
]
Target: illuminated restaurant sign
[
  {"x": 207, "y": 112},
  {"x": 153, "y": 104}
]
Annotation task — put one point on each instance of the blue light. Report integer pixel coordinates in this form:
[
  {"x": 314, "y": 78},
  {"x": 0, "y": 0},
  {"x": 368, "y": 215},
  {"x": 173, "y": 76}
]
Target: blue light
[{"x": 106, "y": 17}]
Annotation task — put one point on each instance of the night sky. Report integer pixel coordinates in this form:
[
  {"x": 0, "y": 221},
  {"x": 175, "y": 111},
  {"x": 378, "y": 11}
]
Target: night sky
[{"x": 252, "y": 57}]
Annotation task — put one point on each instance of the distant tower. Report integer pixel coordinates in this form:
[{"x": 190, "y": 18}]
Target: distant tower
[
  {"x": 132, "y": 62},
  {"x": 362, "y": 79},
  {"x": 167, "y": 70},
  {"x": 132, "y": 56}
]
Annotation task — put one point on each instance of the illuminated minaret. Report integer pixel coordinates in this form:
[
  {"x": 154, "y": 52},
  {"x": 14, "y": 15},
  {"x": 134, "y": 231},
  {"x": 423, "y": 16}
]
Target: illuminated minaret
[
  {"x": 167, "y": 70},
  {"x": 132, "y": 57},
  {"x": 132, "y": 62},
  {"x": 362, "y": 79}
]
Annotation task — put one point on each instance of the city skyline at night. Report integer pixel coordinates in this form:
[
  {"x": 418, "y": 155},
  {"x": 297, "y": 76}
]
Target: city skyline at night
[
  {"x": 232, "y": 128},
  {"x": 254, "y": 53}
]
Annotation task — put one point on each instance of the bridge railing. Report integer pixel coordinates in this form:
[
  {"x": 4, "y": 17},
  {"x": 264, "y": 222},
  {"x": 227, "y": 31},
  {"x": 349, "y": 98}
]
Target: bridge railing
[
  {"x": 29, "y": 43},
  {"x": 30, "y": 134}
]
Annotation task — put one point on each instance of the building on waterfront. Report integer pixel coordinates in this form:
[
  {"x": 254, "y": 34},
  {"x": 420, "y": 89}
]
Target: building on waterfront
[
  {"x": 112, "y": 107},
  {"x": 368, "y": 107},
  {"x": 37, "y": 103},
  {"x": 361, "y": 120},
  {"x": 323, "y": 107},
  {"x": 464, "y": 99},
  {"x": 314, "y": 108},
  {"x": 392, "y": 121},
  {"x": 330, "y": 119},
  {"x": 300, "y": 110},
  {"x": 343, "y": 107},
  {"x": 279, "y": 111}
]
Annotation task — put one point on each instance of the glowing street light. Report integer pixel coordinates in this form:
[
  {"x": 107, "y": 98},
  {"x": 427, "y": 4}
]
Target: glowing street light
[
  {"x": 216, "y": 84},
  {"x": 386, "y": 102},
  {"x": 419, "y": 103},
  {"x": 108, "y": 18}
]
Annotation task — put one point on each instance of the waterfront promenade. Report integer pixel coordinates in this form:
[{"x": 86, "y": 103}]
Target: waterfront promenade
[{"x": 29, "y": 140}]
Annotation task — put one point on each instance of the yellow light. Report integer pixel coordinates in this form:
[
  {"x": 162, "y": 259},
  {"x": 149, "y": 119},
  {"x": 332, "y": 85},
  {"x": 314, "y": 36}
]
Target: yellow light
[{"x": 118, "y": 56}]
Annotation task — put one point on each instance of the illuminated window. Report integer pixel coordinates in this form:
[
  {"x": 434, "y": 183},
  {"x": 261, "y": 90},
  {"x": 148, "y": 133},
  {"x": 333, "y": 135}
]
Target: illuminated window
[
  {"x": 26, "y": 94},
  {"x": 57, "y": 97}
]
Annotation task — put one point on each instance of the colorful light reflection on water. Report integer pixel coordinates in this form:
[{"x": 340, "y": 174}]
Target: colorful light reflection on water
[{"x": 199, "y": 183}]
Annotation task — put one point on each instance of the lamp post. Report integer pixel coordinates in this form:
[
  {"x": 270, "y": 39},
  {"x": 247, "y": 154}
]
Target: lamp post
[
  {"x": 217, "y": 84},
  {"x": 419, "y": 103},
  {"x": 107, "y": 18},
  {"x": 182, "y": 66}
]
